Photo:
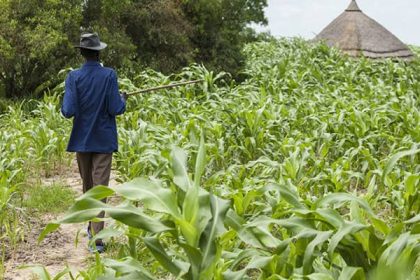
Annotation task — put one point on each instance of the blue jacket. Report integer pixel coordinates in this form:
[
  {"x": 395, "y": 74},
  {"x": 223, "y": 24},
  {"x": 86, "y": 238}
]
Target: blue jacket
[{"x": 92, "y": 98}]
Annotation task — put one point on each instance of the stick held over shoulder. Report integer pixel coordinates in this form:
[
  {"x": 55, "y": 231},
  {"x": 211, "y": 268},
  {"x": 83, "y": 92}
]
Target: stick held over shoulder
[{"x": 164, "y": 87}]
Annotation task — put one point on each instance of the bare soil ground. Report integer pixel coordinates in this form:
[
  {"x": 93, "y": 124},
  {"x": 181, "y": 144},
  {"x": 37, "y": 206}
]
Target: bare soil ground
[
  {"x": 54, "y": 253},
  {"x": 59, "y": 248}
]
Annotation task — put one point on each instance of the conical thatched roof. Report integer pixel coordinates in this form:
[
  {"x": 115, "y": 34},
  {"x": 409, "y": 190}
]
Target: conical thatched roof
[{"x": 358, "y": 35}]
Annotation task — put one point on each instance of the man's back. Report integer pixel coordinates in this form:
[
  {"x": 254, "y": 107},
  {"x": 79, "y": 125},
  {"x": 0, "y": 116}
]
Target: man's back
[{"x": 92, "y": 98}]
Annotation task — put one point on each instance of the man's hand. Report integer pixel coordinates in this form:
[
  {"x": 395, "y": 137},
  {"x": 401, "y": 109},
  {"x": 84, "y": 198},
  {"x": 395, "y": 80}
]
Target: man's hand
[{"x": 124, "y": 95}]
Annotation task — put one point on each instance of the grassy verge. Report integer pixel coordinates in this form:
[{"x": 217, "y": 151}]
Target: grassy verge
[{"x": 52, "y": 199}]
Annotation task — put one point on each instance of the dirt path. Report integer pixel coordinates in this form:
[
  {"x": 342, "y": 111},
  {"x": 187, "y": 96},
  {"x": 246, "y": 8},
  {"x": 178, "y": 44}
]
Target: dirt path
[
  {"x": 59, "y": 248},
  {"x": 54, "y": 253}
]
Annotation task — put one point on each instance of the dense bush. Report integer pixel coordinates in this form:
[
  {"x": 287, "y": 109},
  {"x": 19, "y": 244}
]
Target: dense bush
[{"x": 35, "y": 43}]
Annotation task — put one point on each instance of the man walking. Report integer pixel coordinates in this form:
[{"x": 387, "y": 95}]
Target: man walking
[{"x": 92, "y": 98}]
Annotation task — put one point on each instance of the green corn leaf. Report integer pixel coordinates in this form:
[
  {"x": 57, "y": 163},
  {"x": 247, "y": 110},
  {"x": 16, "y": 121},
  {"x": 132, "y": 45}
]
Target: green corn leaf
[
  {"x": 380, "y": 225},
  {"x": 294, "y": 224},
  {"x": 288, "y": 195},
  {"x": 61, "y": 274},
  {"x": 107, "y": 233},
  {"x": 189, "y": 232},
  {"x": 330, "y": 216},
  {"x": 130, "y": 276},
  {"x": 195, "y": 258},
  {"x": 191, "y": 202},
  {"x": 87, "y": 203},
  {"x": 245, "y": 234},
  {"x": 400, "y": 249},
  {"x": 395, "y": 232},
  {"x": 47, "y": 230},
  {"x": 214, "y": 228},
  {"x": 38, "y": 270},
  {"x": 134, "y": 217},
  {"x": 309, "y": 255},
  {"x": 154, "y": 196},
  {"x": 394, "y": 159},
  {"x": 264, "y": 237},
  {"x": 259, "y": 262},
  {"x": 306, "y": 233},
  {"x": 415, "y": 219},
  {"x": 190, "y": 207},
  {"x": 128, "y": 266},
  {"x": 88, "y": 209},
  {"x": 204, "y": 211},
  {"x": 200, "y": 162},
  {"x": 81, "y": 216},
  {"x": 235, "y": 275},
  {"x": 346, "y": 229},
  {"x": 352, "y": 273},
  {"x": 339, "y": 199},
  {"x": 177, "y": 268},
  {"x": 179, "y": 166},
  {"x": 412, "y": 184},
  {"x": 320, "y": 276},
  {"x": 242, "y": 256},
  {"x": 98, "y": 192}
]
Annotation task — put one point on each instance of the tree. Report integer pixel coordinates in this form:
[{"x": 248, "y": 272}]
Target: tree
[
  {"x": 169, "y": 34},
  {"x": 34, "y": 42},
  {"x": 221, "y": 28},
  {"x": 153, "y": 33}
]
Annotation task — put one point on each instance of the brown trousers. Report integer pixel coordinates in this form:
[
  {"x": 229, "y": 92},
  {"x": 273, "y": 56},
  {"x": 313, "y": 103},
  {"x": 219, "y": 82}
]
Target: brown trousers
[{"x": 95, "y": 170}]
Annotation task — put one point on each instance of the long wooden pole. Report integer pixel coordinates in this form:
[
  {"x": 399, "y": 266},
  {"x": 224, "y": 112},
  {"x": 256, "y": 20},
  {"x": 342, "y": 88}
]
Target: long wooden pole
[{"x": 164, "y": 87}]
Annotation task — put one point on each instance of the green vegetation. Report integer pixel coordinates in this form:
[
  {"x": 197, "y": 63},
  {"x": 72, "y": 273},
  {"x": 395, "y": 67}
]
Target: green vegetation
[
  {"x": 309, "y": 169},
  {"x": 35, "y": 43},
  {"x": 165, "y": 35},
  {"x": 31, "y": 146},
  {"x": 52, "y": 199}
]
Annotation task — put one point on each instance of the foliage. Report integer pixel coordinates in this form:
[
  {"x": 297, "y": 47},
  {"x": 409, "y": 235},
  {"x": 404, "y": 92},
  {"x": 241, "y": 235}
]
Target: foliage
[
  {"x": 169, "y": 34},
  {"x": 314, "y": 158},
  {"x": 317, "y": 154},
  {"x": 31, "y": 146},
  {"x": 221, "y": 29},
  {"x": 37, "y": 37},
  {"x": 11, "y": 218},
  {"x": 34, "y": 42},
  {"x": 193, "y": 219},
  {"x": 52, "y": 199},
  {"x": 153, "y": 33},
  {"x": 3, "y": 105}
]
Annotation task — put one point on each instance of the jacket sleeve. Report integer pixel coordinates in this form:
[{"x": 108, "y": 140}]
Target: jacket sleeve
[
  {"x": 116, "y": 104},
  {"x": 69, "y": 107}
]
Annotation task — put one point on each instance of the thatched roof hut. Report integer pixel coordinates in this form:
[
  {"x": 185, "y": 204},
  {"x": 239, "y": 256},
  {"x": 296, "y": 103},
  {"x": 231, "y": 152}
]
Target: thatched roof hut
[{"x": 358, "y": 35}]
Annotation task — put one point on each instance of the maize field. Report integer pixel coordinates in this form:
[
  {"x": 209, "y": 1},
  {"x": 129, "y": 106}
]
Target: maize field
[{"x": 308, "y": 169}]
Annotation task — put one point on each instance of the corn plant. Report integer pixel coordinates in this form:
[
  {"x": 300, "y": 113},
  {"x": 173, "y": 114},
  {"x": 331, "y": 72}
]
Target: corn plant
[
  {"x": 31, "y": 146},
  {"x": 315, "y": 238},
  {"x": 11, "y": 218},
  {"x": 317, "y": 154},
  {"x": 185, "y": 214}
]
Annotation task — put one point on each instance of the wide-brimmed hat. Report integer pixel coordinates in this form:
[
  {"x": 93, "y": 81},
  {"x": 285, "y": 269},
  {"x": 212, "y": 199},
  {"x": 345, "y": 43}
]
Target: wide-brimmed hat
[{"x": 91, "y": 41}]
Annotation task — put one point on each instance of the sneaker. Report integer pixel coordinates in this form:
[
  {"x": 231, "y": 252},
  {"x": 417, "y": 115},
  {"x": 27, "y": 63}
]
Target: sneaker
[
  {"x": 100, "y": 248},
  {"x": 97, "y": 248}
]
